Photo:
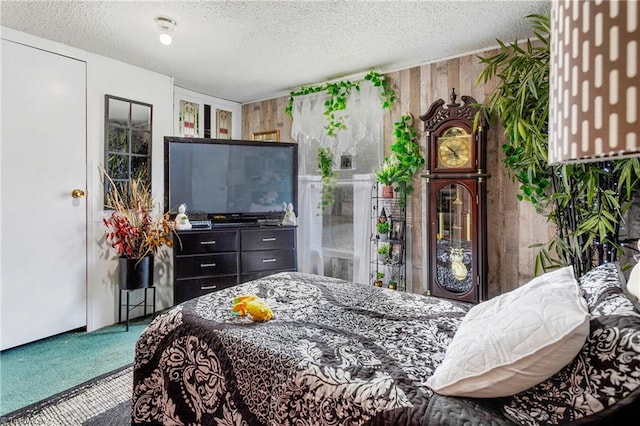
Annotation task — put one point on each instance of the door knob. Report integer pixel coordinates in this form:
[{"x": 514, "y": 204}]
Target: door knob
[{"x": 77, "y": 193}]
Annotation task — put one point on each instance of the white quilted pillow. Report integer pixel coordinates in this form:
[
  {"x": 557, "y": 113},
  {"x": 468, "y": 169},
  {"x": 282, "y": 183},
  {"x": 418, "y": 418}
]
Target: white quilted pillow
[
  {"x": 516, "y": 340},
  {"x": 633, "y": 284}
]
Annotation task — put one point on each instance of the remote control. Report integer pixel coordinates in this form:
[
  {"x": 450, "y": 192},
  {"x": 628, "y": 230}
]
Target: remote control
[{"x": 200, "y": 224}]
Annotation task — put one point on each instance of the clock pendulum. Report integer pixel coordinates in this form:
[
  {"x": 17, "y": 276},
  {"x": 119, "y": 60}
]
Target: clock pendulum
[{"x": 458, "y": 269}]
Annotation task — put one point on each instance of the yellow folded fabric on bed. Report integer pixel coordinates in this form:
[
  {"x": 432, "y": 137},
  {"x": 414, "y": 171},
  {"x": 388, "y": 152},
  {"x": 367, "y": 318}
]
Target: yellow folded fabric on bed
[{"x": 252, "y": 305}]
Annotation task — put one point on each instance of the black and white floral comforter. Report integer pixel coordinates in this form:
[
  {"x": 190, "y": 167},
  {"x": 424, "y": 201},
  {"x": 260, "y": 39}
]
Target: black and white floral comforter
[
  {"x": 336, "y": 353},
  {"x": 339, "y": 353}
]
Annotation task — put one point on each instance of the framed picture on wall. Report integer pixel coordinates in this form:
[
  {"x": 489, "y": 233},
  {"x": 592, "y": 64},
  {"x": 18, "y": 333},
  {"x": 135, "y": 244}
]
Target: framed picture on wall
[
  {"x": 223, "y": 124},
  {"x": 346, "y": 162},
  {"x": 396, "y": 254},
  {"x": 397, "y": 229},
  {"x": 269, "y": 135},
  {"x": 189, "y": 119}
]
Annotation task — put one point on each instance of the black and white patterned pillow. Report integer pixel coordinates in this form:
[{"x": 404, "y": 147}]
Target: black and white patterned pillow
[
  {"x": 602, "y": 287},
  {"x": 605, "y": 372}
]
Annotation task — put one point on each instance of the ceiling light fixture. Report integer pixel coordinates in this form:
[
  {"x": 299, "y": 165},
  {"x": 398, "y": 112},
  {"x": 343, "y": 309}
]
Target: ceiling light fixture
[{"x": 165, "y": 26}]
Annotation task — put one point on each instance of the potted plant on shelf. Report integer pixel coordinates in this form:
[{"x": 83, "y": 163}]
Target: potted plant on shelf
[
  {"x": 383, "y": 230},
  {"x": 134, "y": 232},
  {"x": 387, "y": 174},
  {"x": 378, "y": 281},
  {"x": 393, "y": 285},
  {"x": 383, "y": 252}
]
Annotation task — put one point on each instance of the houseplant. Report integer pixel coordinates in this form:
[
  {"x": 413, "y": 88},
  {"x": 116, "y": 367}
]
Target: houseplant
[
  {"x": 586, "y": 201},
  {"x": 387, "y": 174},
  {"x": 384, "y": 251},
  {"x": 133, "y": 231},
  {"x": 383, "y": 229},
  {"x": 378, "y": 281}
]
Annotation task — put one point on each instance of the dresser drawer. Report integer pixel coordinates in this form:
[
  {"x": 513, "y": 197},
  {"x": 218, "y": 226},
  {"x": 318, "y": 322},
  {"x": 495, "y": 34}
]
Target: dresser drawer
[
  {"x": 205, "y": 242},
  {"x": 267, "y": 260},
  {"x": 188, "y": 289},
  {"x": 206, "y": 265},
  {"x": 267, "y": 239},
  {"x": 255, "y": 275}
]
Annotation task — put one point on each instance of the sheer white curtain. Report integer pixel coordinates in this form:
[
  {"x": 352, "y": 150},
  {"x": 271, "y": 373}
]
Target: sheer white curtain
[
  {"x": 309, "y": 226},
  {"x": 362, "y": 226},
  {"x": 362, "y": 140}
]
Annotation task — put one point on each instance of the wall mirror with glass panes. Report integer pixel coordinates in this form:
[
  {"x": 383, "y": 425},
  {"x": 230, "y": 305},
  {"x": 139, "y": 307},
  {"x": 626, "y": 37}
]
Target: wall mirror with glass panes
[{"x": 127, "y": 140}]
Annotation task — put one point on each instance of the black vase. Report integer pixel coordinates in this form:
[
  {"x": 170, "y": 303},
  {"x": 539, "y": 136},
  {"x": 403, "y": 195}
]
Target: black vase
[{"x": 135, "y": 273}]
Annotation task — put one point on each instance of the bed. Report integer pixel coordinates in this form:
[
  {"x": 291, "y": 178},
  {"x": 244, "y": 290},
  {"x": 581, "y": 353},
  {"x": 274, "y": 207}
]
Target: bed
[{"x": 340, "y": 353}]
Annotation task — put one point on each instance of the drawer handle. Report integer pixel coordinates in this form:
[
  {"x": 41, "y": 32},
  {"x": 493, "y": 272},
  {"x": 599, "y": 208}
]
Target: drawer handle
[
  {"x": 208, "y": 287},
  {"x": 204, "y": 243},
  {"x": 264, "y": 240},
  {"x": 207, "y": 265},
  {"x": 268, "y": 260}
]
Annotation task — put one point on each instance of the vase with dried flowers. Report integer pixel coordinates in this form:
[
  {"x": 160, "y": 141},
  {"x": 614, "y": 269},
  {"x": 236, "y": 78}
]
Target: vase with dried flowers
[{"x": 134, "y": 232}]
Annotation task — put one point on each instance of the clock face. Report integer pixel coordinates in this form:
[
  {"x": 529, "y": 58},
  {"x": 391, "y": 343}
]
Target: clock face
[{"x": 454, "y": 149}]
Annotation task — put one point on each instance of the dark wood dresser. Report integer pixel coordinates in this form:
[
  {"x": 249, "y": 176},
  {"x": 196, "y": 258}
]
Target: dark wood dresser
[{"x": 207, "y": 260}]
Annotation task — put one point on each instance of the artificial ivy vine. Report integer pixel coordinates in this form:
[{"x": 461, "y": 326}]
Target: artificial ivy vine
[
  {"x": 405, "y": 159},
  {"x": 338, "y": 93},
  {"x": 406, "y": 150},
  {"x": 386, "y": 92},
  {"x": 325, "y": 162}
]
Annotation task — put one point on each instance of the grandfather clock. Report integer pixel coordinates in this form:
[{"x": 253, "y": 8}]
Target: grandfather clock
[{"x": 456, "y": 195}]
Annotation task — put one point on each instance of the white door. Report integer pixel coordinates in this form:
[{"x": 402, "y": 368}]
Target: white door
[{"x": 43, "y": 228}]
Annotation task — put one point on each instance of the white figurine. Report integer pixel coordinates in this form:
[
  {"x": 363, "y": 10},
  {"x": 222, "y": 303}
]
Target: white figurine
[
  {"x": 182, "y": 220},
  {"x": 289, "y": 217}
]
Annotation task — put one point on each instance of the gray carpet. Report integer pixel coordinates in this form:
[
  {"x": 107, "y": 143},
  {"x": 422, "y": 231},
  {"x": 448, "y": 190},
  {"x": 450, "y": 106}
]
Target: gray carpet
[{"x": 103, "y": 401}]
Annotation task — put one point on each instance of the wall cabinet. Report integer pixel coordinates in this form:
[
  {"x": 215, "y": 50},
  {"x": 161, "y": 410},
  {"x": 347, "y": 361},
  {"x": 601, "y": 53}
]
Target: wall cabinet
[{"x": 213, "y": 259}]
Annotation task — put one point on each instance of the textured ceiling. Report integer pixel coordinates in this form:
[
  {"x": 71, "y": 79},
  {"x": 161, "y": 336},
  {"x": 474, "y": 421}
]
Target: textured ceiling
[{"x": 251, "y": 50}]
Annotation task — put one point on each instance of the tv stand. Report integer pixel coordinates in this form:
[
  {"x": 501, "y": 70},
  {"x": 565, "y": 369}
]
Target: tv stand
[{"x": 206, "y": 260}]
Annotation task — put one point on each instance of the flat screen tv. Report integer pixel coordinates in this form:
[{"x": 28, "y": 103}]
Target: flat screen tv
[{"x": 228, "y": 181}]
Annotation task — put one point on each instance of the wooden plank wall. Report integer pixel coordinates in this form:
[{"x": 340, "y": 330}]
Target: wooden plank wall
[
  {"x": 512, "y": 226},
  {"x": 266, "y": 115}
]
